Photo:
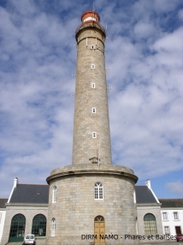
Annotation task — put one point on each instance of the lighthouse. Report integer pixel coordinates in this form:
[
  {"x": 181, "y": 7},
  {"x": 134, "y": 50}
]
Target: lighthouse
[
  {"x": 91, "y": 201},
  {"x": 91, "y": 143}
]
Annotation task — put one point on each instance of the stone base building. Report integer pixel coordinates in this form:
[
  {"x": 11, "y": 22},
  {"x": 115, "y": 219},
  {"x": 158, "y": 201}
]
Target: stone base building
[
  {"x": 27, "y": 210},
  {"x": 148, "y": 210},
  {"x": 95, "y": 200}
]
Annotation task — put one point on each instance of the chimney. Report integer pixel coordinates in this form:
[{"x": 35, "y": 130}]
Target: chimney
[
  {"x": 148, "y": 183},
  {"x": 15, "y": 182}
]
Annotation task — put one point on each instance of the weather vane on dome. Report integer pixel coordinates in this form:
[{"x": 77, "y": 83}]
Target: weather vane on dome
[{"x": 93, "y": 6}]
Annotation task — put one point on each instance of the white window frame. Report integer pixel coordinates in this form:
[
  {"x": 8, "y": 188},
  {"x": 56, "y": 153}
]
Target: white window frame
[
  {"x": 98, "y": 191},
  {"x": 167, "y": 230},
  {"x": 92, "y": 66},
  {"x": 93, "y": 85},
  {"x": 94, "y": 110},
  {"x": 175, "y": 215},
  {"x": 53, "y": 227},
  {"x": 165, "y": 215},
  {"x": 94, "y": 135},
  {"x": 54, "y": 194}
]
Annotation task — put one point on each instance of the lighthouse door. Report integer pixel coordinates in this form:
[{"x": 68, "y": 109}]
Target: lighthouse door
[{"x": 99, "y": 230}]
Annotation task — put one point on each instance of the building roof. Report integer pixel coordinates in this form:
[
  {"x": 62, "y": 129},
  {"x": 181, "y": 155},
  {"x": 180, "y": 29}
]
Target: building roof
[
  {"x": 171, "y": 202},
  {"x": 38, "y": 194},
  {"x": 26, "y": 193},
  {"x": 3, "y": 202},
  {"x": 144, "y": 195}
]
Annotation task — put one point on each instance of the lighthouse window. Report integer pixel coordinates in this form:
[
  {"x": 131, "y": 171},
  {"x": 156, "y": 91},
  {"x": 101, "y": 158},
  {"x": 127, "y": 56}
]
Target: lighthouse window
[
  {"x": 99, "y": 191},
  {"x": 93, "y": 66},
  {"x": 92, "y": 46},
  {"x": 94, "y": 135},
  {"x": 93, "y": 85},
  {"x": 54, "y": 194},
  {"x": 53, "y": 227},
  {"x": 93, "y": 110}
]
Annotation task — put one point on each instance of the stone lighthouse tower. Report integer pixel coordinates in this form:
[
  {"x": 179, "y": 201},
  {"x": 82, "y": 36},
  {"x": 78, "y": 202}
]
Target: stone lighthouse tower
[
  {"x": 91, "y": 121},
  {"x": 91, "y": 201}
]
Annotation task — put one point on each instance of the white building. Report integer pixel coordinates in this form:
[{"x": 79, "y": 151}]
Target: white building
[
  {"x": 3, "y": 202},
  {"x": 172, "y": 216}
]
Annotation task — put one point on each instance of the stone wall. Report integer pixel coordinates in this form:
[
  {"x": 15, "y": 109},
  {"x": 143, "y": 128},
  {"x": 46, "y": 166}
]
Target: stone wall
[
  {"x": 76, "y": 207},
  {"x": 154, "y": 209},
  {"x": 29, "y": 211},
  {"x": 90, "y": 45}
]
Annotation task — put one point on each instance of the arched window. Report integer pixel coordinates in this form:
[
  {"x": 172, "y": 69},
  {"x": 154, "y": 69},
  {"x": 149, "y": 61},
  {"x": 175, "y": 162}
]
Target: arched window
[
  {"x": 99, "y": 218},
  {"x": 39, "y": 225},
  {"x": 53, "y": 227},
  {"x": 93, "y": 66},
  {"x": 54, "y": 194},
  {"x": 99, "y": 195},
  {"x": 150, "y": 224},
  {"x": 17, "y": 228}
]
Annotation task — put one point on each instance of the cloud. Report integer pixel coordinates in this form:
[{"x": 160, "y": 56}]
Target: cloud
[
  {"x": 145, "y": 102},
  {"x": 143, "y": 30},
  {"x": 180, "y": 14},
  {"x": 175, "y": 187},
  {"x": 170, "y": 42}
]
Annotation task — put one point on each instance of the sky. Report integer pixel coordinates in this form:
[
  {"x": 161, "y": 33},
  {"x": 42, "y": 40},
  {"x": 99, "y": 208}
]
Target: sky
[{"x": 144, "y": 63}]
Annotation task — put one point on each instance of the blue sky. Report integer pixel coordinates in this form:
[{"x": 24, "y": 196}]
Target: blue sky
[{"x": 144, "y": 74}]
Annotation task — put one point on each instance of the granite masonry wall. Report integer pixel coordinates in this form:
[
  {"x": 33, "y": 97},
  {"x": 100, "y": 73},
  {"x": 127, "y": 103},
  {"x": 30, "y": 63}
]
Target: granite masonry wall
[
  {"x": 29, "y": 211},
  {"x": 144, "y": 209},
  {"x": 76, "y": 207},
  {"x": 91, "y": 92}
]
